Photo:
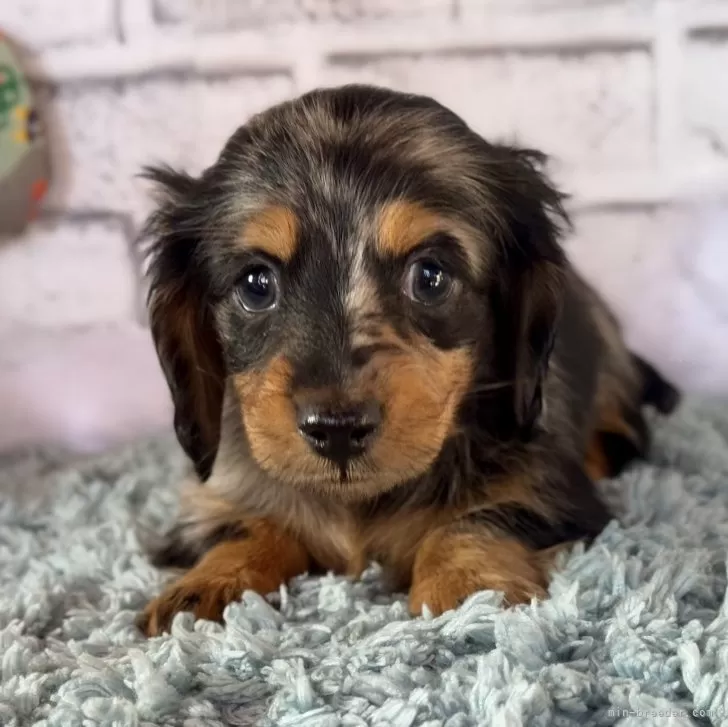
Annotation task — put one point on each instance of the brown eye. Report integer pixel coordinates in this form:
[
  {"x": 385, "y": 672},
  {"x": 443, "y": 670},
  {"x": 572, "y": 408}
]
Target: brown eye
[
  {"x": 428, "y": 283},
  {"x": 258, "y": 289}
]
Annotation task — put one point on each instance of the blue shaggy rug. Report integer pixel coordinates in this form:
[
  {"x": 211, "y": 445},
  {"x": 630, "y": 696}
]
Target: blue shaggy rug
[{"x": 635, "y": 631}]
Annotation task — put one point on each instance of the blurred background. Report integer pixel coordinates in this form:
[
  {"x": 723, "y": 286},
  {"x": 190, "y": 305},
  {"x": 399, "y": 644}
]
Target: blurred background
[{"x": 630, "y": 97}]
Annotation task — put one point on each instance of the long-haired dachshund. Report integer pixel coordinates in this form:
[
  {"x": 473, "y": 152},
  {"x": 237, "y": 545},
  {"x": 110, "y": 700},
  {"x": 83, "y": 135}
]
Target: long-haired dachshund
[{"x": 377, "y": 350}]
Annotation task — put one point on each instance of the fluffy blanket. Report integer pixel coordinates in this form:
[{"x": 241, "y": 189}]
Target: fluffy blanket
[{"x": 635, "y": 631}]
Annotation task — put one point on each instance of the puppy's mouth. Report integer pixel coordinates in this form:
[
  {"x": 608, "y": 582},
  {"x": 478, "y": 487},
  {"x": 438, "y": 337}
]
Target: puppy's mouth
[
  {"x": 344, "y": 476},
  {"x": 341, "y": 476}
]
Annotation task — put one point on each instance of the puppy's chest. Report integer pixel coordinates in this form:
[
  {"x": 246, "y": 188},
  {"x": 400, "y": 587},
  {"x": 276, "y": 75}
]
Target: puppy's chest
[
  {"x": 339, "y": 538},
  {"x": 344, "y": 541}
]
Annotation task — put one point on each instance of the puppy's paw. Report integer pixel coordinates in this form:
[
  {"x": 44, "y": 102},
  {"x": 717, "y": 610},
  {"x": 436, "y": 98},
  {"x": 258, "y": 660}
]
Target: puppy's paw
[
  {"x": 447, "y": 589},
  {"x": 453, "y": 563},
  {"x": 259, "y": 558},
  {"x": 206, "y": 598}
]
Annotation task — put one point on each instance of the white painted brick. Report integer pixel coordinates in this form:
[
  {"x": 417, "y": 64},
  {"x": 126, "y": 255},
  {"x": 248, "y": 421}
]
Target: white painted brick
[
  {"x": 67, "y": 274},
  {"x": 706, "y": 100},
  {"x": 107, "y": 132},
  {"x": 215, "y": 15},
  {"x": 42, "y": 23},
  {"x": 479, "y": 7},
  {"x": 589, "y": 109},
  {"x": 707, "y": 4}
]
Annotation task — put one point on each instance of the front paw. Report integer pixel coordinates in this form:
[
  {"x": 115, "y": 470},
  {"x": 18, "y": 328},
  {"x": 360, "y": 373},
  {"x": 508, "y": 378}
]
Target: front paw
[
  {"x": 453, "y": 563},
  {"x": 445, "y": 590},
  {"x": 206, "y": 598}
]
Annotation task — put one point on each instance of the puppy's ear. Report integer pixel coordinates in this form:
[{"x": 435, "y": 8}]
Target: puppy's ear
[
  {"x": 180, "y": 316},
  {"x": 536, "y": 309},
  {"x": 531, "y": 279}
]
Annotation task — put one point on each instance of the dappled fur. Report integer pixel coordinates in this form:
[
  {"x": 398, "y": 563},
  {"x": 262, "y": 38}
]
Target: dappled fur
[{"x": 500, "y": 405}]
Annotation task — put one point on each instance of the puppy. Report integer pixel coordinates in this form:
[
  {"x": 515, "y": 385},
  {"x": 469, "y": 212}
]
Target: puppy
[{"x": 377, "y": 350}]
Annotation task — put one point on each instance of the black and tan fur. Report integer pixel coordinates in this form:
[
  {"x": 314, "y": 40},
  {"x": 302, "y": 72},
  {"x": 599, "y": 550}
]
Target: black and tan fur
[{"x": 500, "y": 405}]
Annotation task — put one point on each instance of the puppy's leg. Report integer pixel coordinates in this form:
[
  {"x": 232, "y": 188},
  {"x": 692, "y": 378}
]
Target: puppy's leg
[
  {"x": 621, "y": 437},
  {"x": 656, "y": 390},
  {"x": 507, "y": 548},
  {"x": 261, "y": 558},
  {"x": 621, "y": 434},
  {"x": 456, "y": 561}
]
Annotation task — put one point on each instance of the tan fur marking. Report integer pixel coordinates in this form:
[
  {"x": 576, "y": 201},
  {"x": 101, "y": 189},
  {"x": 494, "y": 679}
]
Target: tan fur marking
[
  {"x": 451, "y": 565},
  {"x": 595, "y": 463},
  {"x": 273, "y": 231},
  {"x": 190, "y": 355},
  {"x": 393, "y": 541},
  {"x": 423, "y": 389},
  {"x": 610, "y": 421},
  {"x": 269, "y": 419},
  {"x": 402, "y": 226},
  {"x": 261, "y": 562},
  {"x": 405, "y": 225}
]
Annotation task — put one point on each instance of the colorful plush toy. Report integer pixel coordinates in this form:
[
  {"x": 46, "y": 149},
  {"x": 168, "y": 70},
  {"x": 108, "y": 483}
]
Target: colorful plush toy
[{"x": 24, "y": 158}]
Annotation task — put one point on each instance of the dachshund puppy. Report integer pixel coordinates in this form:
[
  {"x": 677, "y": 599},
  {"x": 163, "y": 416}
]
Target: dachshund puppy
[{"x": 377, "y": 350}]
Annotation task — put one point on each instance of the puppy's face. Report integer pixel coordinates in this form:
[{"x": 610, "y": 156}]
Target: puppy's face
[
  {"x": 354, "y": 270},
  {"x": 349, "y": 337}
]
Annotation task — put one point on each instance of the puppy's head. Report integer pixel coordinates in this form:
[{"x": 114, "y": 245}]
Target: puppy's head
[{"x": 356, "y": 269}]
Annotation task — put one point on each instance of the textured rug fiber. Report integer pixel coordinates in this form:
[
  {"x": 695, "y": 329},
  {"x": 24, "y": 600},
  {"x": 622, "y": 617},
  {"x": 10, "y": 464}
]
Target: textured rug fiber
[{"x": 635, "y": 631}]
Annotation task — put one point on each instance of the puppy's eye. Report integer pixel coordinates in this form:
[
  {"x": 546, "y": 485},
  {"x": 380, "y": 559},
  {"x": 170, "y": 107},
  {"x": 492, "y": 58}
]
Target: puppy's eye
[
  {"x": 428, "y": 283},
  {"x": 258, "y": 288}
]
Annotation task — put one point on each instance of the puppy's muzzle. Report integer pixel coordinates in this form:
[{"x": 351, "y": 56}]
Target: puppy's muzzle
[{"x": 339, "y": 435}]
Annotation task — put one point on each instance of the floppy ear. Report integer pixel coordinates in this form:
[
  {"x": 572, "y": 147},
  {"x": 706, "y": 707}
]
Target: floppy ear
[
  {"x": 536, "y": 305},
  {"x": 531, "y": 281},
  {"x": 180, "y": 317}
]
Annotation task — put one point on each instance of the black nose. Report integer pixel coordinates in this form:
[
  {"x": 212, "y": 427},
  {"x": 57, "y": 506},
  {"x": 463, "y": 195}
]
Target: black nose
[{"x": 339, "y": 436}]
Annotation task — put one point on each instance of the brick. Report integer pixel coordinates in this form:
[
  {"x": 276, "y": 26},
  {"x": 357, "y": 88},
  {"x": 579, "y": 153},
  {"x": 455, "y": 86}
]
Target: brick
[
  {"x": 107, "y": 132},
  {"x": 214, "y": 15},
  {"x": 44, "y": 23},
  {"x": 708, "y": 4},
  {"x": 542, "y": 6},
  {"x": 71, "y": 273},
  {"x": 705, "y": 104},
  {"x": 590, "y": 109}
]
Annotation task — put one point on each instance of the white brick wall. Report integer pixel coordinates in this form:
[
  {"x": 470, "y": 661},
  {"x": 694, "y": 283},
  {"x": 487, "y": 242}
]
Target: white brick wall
[
  {"x": 590, "y": 110},
  {"x": 46, "y": 24},
  {"x": 106, "y": 132},
  {"x": 705, "y": 102},
  {"x": 629, "y": 96},
  {"x": 221, "y": 15}
]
